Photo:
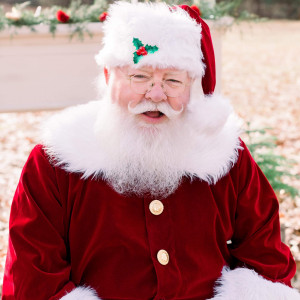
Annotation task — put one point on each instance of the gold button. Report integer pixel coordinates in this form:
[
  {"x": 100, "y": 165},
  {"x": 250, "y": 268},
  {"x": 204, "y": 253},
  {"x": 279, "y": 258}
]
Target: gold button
[
  {"x": 156, "y": 207},
  {"x": 163, "y": 257}
]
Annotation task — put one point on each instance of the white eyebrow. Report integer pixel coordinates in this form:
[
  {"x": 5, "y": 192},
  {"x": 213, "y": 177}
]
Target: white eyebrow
[
  {"x": 179, "y": 73},
  {"x": 142, "y": 70},
  {"x": 133, "y": 71},
  {"x": 175, "y": 73}
]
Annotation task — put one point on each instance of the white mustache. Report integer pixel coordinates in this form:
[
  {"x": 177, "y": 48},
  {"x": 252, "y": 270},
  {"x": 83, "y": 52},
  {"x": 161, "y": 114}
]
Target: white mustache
[{"x": 162, "y": 107}]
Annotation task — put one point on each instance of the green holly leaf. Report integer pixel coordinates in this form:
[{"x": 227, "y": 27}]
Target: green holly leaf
[
  {"x": 151, "y": 49},
  {"x": 136, "y": 58},
  {"x": 137, "y": 43}
]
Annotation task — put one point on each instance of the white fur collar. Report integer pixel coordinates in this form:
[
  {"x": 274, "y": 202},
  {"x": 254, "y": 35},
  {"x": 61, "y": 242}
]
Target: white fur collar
[{"x": 69, "y": 138}]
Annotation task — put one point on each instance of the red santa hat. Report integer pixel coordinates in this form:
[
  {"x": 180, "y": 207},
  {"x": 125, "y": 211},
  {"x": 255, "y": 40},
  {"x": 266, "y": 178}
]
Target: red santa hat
[{"x": 155, "y": 34}]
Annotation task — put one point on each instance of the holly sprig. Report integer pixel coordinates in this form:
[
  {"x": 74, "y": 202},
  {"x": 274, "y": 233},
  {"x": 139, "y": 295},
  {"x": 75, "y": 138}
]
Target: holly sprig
[{"x": 142, "y": 50}]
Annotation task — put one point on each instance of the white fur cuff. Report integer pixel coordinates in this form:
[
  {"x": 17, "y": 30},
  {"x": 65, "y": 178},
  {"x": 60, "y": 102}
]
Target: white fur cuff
[
  {"x": 81, "y": 293},
  {"x": 245, "y": 284}
]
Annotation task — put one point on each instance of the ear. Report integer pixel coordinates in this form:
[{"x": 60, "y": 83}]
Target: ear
[{"x": 106, "y": 74}]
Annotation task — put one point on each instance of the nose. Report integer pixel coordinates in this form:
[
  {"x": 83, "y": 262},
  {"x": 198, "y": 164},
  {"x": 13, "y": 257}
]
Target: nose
[{"x": 156, "y": 93}]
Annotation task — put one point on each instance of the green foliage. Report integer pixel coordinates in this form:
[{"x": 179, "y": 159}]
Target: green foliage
[
  {"x": 81, "y": 14},
  {"x": 270, "y": 2},
  {"x": 2, "y": 19},
  {"x": 137, "y": 43},
  {"x": 219, "y": 9},
  {"x": 275, "y": 167},
  {"x": 151, "y": 49},
  {"x": 223, "y": 8}
]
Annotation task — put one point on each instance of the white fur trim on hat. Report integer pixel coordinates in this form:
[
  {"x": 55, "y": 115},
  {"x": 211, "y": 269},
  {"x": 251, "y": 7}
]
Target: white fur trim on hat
[
  {"x": 81, "y": 293},
  {"x": 246, "y": 284},
  {"x": 173, "y": 31}
]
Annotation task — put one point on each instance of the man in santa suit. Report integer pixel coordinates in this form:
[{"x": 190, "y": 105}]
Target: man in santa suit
[{"x": 147, "y": 193}]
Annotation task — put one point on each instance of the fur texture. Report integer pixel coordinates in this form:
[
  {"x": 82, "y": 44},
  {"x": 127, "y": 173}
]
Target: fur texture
[
  {"x": 245, "y": 284},
  {"x": 153, "y": 24},
  {"x": 81, "y": 293},
  {"x": 92, "y": 140}
]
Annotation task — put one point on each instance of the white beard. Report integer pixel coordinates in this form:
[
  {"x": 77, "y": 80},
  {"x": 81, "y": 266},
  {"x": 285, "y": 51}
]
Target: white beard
[
  {"x": 100, "y": 140},
  {"x": 145, "y": 158}
]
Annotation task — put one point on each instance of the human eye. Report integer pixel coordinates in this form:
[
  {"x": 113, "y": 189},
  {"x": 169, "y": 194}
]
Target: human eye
[
  {"x": 139, "y": 77},
  {"x": 174, "y": 82}
]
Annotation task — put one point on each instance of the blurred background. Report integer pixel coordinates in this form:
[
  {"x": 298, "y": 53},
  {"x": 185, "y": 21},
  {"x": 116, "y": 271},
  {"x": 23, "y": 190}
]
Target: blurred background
[
  {"x": 46, "y": 65},
  {"x": 283, "y": 9}
]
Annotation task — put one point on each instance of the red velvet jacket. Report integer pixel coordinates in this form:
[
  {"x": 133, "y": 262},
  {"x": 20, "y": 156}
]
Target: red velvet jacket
[{"x": 67, "y": 232}]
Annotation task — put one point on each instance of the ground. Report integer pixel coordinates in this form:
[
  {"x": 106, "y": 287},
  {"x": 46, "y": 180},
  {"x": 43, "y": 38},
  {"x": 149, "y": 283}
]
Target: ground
[{"x": 260, "y": 74}]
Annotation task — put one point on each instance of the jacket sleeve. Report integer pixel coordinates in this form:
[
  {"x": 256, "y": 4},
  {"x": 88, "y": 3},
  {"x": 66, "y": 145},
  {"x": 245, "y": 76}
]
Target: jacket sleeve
[
  {"x": 262, "y": 263},
  {"x": 37, "y": 263}
]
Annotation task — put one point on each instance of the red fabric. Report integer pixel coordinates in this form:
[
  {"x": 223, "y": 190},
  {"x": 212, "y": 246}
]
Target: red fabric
[
  {"x": 196, "y": 9},
  {"x": 209, "y": 78},
  {"x": 65, "y": 232}
]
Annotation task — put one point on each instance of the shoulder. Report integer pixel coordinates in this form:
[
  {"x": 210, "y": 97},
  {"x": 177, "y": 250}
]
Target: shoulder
[
  {"x": 245, "y": 163},
  {"x": 247, "y": 175},
  {"x": 37, "y": 158},
  {"x": 243, "y": 167},
  {"x": 41, "y": 167},
  {"x": 244, "y": 158},
  {"x": 244, "y": 154}
]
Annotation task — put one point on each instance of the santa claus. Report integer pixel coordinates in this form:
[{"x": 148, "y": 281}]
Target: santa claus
[{"x": 147, "y": 193}]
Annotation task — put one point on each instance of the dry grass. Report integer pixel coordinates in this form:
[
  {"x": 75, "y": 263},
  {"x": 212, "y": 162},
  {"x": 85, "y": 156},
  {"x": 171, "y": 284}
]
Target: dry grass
[{"x": 261, "y": 75}]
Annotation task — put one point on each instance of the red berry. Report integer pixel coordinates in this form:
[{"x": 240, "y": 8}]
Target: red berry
[
  {"x": 103, "y": 16},
  {"x": 141, "y": 51},
  {"x": 62, "y": 16}
]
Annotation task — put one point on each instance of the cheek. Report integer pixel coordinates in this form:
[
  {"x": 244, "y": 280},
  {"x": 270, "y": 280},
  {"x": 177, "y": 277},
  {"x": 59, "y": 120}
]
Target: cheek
[
  {"x": 176, "y": 103},
  {"x": 122, "y": 95},
  {"x": 119, "y": 94}
]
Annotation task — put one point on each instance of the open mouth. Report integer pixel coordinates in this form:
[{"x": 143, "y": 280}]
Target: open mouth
[{"x": 153, "y": 114}]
